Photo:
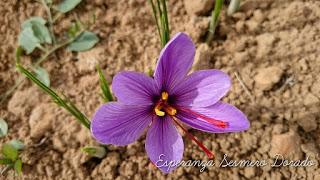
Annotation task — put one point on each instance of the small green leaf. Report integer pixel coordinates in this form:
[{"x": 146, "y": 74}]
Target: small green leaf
[
  {"x": 9, "y": 152},
  {"x": 30, "y": 21},
  {"x": 5, "y": 161},
  {"x": 106, "y": 93},
  {"x": 18, "y": 166},
  {"x": 74, "y": 29},
  {"x": 84, "y": 42},
  {"x": 96, "y": 151},
  {"x": 89, "y": 150},
  {"x": 150, "y": 72},
  {"x": 67, "y": 5},
  {"x": 3, "y": 127},
  {"x": 42, "y": 75},
  {"x": 39, "y": 29},
  {"x": 42, "y": 33},
  {"x": 18, "y": 145},
  {"x": 27, "y": 40},
  {"x": 48, "y": 1}
]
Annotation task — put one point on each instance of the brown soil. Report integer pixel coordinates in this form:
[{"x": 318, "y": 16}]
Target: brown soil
[{"x": 273, "y": 46}]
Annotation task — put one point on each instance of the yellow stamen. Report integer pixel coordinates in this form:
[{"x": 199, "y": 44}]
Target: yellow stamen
[
  {"x": 164, "y": 96},
  {"x": 170, "y": 110},
  {"x": 158, "y": 111}
]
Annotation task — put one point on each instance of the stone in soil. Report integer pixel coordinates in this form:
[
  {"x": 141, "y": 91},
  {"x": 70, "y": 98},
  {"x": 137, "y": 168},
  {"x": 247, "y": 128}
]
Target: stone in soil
[
  {"x": 287, "y": 145},
  {"x": 308, "y": 122},
  {"x": 88, "y": 60},
  {"x": 268, "y": 77},
  {"x": 202, "y": 57},
  {"x": 198, "y": 7},
  {"x": 40, "y": 120}
]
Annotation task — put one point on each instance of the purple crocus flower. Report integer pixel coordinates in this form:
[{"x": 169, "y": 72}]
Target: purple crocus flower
[{"x": 164, "y": 102}]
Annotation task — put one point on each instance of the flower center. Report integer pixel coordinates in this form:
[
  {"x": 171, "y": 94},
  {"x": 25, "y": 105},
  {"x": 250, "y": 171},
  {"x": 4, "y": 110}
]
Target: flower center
[{"x": 162, "y": 107}]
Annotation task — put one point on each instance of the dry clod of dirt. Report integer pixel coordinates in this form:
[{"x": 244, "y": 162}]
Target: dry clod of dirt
[
  {"x": 252, "y": 25},
  {"x": 197, "y": 27},
  {"x": 265, "y": 44},
  {"x": 308, "y": 123},
  {"x": 241, "y": 57},
  {"x": 202, "y": 57},
  {"x": 107, "y": 168},
  {"x": 249, "y": 172},
  {"x": 316, "y": 177},
  {"x": 310, "y": 149},
  {"x": 310, "y": 99},
  {"x": 287, "y": 144},
  {"x": 198, "y": 7},
  {"x": 88, "y": 60},
  {"x": 273, "y": 45},
  {"x": 268, "y": 77},
  {"x": 22, "y": 102},
  {"x": 258, "y": 16},
  {"x": 40, "y": 120}
]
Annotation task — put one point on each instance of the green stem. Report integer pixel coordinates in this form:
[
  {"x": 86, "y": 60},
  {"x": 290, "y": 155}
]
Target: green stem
[
  {"x": 159, "y": 9},
  {"x": 65, "y": 103},
  {"x": 165, "y": 13},
  {"x": 43, "y": 49},
  {"x": 50, "y": 21},
  {"x": 56, "y": 17},
  {"x": 155, "y": 17},
  {"x": 4, "y": 96},
  {"x": 214, "y": 19},
  {"x": 106, "y": 93},
  {"x": 52, "y": 50}
]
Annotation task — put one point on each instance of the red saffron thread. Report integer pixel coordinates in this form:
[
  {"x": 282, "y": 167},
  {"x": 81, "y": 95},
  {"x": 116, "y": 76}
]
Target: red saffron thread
[
  {"x": 212, "y": 121},
  {"x": 206, "y": 150}
]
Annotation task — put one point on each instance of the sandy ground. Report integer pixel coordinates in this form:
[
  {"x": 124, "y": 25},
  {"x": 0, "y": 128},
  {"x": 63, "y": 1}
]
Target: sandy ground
[{"x": 273, "y": 47}]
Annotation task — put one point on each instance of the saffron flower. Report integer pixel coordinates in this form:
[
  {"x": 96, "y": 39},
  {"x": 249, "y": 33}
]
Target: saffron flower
[{"x": 165, "y": 102}]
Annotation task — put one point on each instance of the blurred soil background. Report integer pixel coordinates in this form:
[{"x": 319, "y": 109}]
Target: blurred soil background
[{"x": 270, "y": 48}]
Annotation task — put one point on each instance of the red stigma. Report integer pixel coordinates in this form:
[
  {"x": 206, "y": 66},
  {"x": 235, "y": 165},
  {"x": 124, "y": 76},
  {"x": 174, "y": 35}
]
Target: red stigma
[
  {"x": 212, "y": 121},
  {"x": 206, "y": 150}
]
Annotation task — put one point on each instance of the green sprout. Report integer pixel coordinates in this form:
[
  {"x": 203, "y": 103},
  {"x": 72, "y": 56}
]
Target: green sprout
[
  {"x": 95, "y": 151},
  {"x": 9, "y": 157},
  {"x": 106, "y": 93},
  {"x": 232, "y": 8},
  {"x": 65, "y": 102},
  {"x": 160, "y": 13},
  {"x": 214, "y": 19},
  {"x": 60, "y": 101}
]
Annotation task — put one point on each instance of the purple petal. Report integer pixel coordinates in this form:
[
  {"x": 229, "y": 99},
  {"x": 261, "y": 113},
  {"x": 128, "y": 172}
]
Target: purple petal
[
  {"x": 119, "y": 124},
  {"x": 202, "y": 88},
  {"x": 164, "y": 144},
  {"x": 175, "y": 60},
  {"x": 236, "y": 120},
  {"x": 134, "y": 88}
]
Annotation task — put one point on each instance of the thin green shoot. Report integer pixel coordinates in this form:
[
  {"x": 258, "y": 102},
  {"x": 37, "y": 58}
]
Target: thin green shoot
[
  {"x": 106, "y": 93},
  {"x": 63, "y": 102},
  {"x": 214, "y": 19},
  {"x": 160, "y": 13}
]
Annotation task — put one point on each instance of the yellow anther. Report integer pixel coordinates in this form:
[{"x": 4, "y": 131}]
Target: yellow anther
[
  {"x": 158, "y": 111},
  {"x": 170, "y": 110},
  {"x": 164, "y": 96}
]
